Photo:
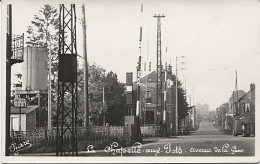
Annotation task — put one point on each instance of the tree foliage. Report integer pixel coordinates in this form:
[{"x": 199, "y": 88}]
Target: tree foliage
[
  {"x": 115, "y": 99},
  {"x": 113, "y": 107},
  {"x": 182, "y": 101},
  {"x": 44, "y": 28}
]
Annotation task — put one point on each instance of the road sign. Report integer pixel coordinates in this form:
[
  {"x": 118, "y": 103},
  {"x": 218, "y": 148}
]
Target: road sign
[{"x": 20, "y": 102}]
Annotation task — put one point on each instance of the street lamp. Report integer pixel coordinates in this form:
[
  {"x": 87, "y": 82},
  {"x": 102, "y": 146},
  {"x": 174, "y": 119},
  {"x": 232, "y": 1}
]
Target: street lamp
[{"x": 176, "y": 106}]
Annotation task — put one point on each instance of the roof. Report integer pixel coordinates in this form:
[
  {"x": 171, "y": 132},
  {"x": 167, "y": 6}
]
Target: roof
[
  {"x": 28, "y": 109},
  {"x": 246, "y": 95},
  {"x": 236, "y": 95},
  {"x": 151, "y": 77}
]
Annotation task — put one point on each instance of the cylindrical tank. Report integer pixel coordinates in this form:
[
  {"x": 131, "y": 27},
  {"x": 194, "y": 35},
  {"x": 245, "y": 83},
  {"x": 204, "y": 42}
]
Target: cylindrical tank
[{"x": 34, "y": 68}]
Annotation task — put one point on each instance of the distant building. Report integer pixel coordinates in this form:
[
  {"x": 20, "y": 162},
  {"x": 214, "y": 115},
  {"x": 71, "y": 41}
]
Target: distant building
[
  {"x": 228, "y": 117},
  {"x": 193, "y": 116}
]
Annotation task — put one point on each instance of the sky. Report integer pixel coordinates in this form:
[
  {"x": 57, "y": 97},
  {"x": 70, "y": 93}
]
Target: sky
[{"x": 217, "y": 37}]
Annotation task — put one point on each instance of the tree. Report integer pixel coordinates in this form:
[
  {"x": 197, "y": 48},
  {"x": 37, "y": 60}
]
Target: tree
[
  {"x": 203, "y": 110},
  {"x": 44, "y": 27},
  {"x": 95, "y": 83},
  {"x": 44, "y": 32},
  {"x": 113, "y": 109},
  {"x": 182, "y": 101},
  {"x": 115, "y": 100}
]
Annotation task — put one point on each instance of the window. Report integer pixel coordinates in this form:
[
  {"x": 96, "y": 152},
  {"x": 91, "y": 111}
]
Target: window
[
  {"x": 149, "y": 97},
  {"x": 247, "y": 107},
  {"x": 149, "y": 117}
]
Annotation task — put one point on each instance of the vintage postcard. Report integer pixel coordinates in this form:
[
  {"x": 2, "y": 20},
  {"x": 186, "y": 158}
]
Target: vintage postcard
[{"x": 130, "y": 81}]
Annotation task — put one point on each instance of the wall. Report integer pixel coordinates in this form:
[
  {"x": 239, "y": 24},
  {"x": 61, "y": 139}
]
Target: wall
[
  {"x": 15, "y": 124},
  {"x": 31, "y": 120}
]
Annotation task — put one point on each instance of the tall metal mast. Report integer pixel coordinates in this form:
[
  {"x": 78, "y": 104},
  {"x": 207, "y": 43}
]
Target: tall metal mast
[
  {"x": 159, "y": 61},
  {"x": 67, "y": 83}
]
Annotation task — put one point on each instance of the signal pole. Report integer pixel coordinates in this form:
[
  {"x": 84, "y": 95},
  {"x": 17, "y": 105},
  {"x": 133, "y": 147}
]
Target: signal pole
[
  {"x": 138, "y": 109},
  {"x": 158, "y": 63}
]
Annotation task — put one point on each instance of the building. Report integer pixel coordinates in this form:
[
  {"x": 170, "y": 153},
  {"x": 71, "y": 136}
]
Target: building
[
  {"x": 31, "y": 86},
  {"x": 244, "y": 114},
  {"x": 192, "y": 116},
  {"x": 30, "y": 118},
  {"x": 151, "y": 115}
]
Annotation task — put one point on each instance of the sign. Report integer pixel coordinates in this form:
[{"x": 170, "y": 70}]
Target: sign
[
  {"x": 19, "y": 102},
  {"x": 18, "y": 47}
]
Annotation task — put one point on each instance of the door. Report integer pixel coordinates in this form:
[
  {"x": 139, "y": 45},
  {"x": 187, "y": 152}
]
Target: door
[{"x": 15, "y": 123}]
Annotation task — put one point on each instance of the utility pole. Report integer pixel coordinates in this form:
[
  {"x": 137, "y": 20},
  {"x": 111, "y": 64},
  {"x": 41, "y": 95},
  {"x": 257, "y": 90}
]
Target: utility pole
[
  {"x": 158, "y": 63},
  {"x": 8, "y": 77},
  {"x": 165, "y": 92},
  {"x": 176, "y": 106},
  {"x": 103, "y": 107},
  {"x": 49, "y": 89},
  {"x": 165, "y": 89},
  {"x": 86, "y": 105}
]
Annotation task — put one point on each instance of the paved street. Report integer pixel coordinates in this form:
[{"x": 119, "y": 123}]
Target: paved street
[{"x": 206, "y": 141}]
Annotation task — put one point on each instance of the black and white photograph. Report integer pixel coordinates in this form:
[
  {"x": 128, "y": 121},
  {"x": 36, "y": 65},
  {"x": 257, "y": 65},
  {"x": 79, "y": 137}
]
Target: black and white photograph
[{"x": 122, "y": 81}]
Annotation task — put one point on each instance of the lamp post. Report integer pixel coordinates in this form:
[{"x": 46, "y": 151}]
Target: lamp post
[{"x": 176, "y": 106}]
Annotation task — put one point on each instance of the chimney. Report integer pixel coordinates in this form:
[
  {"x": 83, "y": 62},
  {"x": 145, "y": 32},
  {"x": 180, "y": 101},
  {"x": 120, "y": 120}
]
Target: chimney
[
  {"x": 252, "y": 86},
  {"x": 169, "y": 69},
  {"x": 252, "y": 92}
]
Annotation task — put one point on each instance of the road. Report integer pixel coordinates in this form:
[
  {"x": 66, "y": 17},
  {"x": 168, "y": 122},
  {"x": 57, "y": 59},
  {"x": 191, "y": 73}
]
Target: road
[{"x": 206, "y": 141}]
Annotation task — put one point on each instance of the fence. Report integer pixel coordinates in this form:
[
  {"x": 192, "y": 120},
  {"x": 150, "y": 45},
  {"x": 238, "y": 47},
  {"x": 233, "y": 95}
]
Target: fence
[
  {"x": 94, "y": 134},
  {"x": 150, "y": 131}
]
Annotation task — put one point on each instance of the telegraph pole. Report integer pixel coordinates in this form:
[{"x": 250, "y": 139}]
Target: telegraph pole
[
  {"x": 103, "y": 106},
  {"x": 8, "y": 76},
  {"x": 86, "y": 105},
  {"x": 159, "y": 62},
  {"x": 176, "y": 106},
  {"x": 49, "y": 89},
  {"x": 165, "y": 89}
]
